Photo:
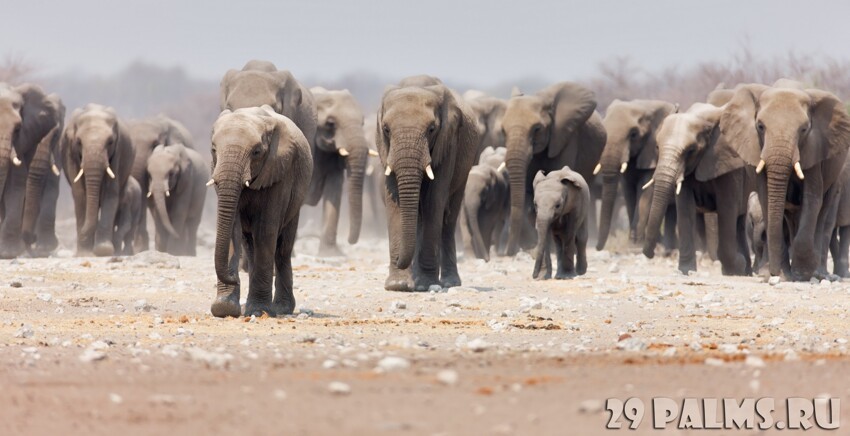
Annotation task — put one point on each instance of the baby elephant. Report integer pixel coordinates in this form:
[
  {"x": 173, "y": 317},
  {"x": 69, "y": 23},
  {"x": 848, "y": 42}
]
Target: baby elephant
[
  {"x": 177, "y": 181},
  {"x": 561, "y": 199},
  {"x": 756, "y": 231},
  {"x": 128, "y": 218}
]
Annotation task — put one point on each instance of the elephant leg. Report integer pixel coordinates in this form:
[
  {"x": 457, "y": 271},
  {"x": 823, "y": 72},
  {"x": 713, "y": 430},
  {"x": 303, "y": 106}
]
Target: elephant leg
[
  {"x": 644, "y": 201},
  {"x": 226, "y": 302},
  {"x": 449, "y": 276},
  {"x": 743, "y": 248},
  {"x": 332, "y": 197},
  {"x": 842, "y": 255},
  {"x": 397, "y": 279},
  {"x": 11, "y": 243},
  {"x": 566, "y": 257},
  {"x": 825, "y": 227},
  {"x": 630, "y": 198},
  {"x": 430, "y": 238},
  {"x": 595, "y": 194},
  {"x": 262, "y": 248},
  {"x": 46, "y": 240},
  {"x": 142, "y": 240},
  {"x": 669, "y": 239},
  {"x": 529, "y": 233},
  {"x": 805, "y": 258},
  {"x": 686, "y": 215},
  {"x": 466, "y": 236},
  {"x": 727, "y": 249},
  {"x": 284, "y": 298},
  {"x": 122, "y": 227},
  {"x": 581, "y": 249},
  {"x": 110, "y": 198},
  {"x": 178, "y": 215}
]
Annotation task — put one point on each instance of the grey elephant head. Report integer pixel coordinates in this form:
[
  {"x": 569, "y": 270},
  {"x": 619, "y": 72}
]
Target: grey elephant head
[
  {"x": 557, "y": 194},
  {"x": 340, "y": 133},
  {"x": 489, "y": 112},
  {"x": 689, "y": 144},
  {"x": 252, "y": 148},
  {"x": 166, "y": 168},
  {"x": 96, "y": 151},
  {"x": 485, "y": 191},
  {"x": 541, "y": 124},
  {"x": 631, "y": 127},
  {"x": 417, "y": 128},
  {"x": 782, "y": 130},
  {"x": 260, "y": 83}
]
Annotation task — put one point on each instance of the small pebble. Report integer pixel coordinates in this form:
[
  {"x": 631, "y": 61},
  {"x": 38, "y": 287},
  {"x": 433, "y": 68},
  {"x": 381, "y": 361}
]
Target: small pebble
[
  {"x": 339, "y": 388},
  {"x": 447, "y": 377}
]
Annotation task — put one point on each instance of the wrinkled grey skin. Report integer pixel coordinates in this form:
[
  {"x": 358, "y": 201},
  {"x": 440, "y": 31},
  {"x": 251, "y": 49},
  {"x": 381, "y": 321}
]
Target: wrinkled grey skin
[
  {"x": 783, "y": 126},
  {"x": 129, "y": 218},
  {"x": 756, "y": 232},
  {"x": 839, "y": 243},
  {"x": 175, "y": 196},
  {"x": 628, "y": 161},
  {"x": 561, "y": 199},
  {"x": 146, "y": 135},
  {"x": 340, "y": 149},
  {"x": 486, "y": 203},
  {"x": 373, "y": 183},
  {"x": 267, "y": 152},
  {"x": 96, "y": 141},
  {"x": 553, "y": 128},
  {"x": 31, "y": 124},
  {"x": 695, "y": 157},
  {"x": 423, "y": 124},
  {"x": 488, "y": 113}
]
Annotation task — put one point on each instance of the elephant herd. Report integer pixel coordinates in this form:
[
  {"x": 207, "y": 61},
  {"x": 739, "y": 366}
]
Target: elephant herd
[{"x": 768, "y": 164}]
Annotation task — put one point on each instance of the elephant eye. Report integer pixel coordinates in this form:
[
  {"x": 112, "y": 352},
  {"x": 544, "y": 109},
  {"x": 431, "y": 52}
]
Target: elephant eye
[
  {"x": 256, "y": 151},
  {"x": 432, "y": 128},
  {"x": 760, "y": 126},
  {"x": 557, "y": 205},
  {"x": 804, "y": 129},
  {"x": 633, "y": 135},
  {"x": 330, "y": 123},
  {"x": 386, "y": 129}
]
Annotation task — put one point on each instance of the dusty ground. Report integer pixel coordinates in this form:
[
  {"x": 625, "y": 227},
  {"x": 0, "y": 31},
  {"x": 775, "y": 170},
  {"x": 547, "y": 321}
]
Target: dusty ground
[{"x": 127, "y": 346}]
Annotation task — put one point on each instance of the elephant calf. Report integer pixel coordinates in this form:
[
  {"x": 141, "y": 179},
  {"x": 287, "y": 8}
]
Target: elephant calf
[
  {"x": 261, "y": 170},
  {"x": 128, "y": 219},
  {"x": 176, "y": 196},
  {"x": 486, "y": 206},
  {"x": 561, "y": 199},
  {"x": 756, "y": 232}
]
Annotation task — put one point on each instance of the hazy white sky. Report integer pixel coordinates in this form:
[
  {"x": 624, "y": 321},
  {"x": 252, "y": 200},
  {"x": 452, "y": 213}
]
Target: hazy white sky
[{"x": 475, "y": 41}]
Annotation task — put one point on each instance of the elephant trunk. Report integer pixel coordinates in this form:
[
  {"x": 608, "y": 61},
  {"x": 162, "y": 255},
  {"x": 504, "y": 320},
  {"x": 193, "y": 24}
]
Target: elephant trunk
[
  {"x": 610, "y": 182},
  {"x": 158, "y": 194},
  {"x": 543, "y": 225},
  {"x": 409, "y": 186},
  {"x": 229, "y": 177},
  {"x": 93, "y": 178},
  {"x": 36, "y": 180},
  {"x": 777, "y": 183},
  {"x": 516, "y": 161},
  {"x": 478, "y": 246},
  {"x": 357, "y": 161},
  {"x": 666, "y": 176}
]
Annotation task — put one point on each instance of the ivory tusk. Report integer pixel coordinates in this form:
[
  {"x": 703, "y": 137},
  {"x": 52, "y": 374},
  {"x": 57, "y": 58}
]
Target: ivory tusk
[
  {"x": 678, "y": 188},
  {"x": 373, "y": 152},
  {"x": 211, "y": 182},
  {"x": 55, "y": 169},
  {"x": 388, "y": 171},
  {"x": 343, "y": 152},
  {"x": 247, "y": 183},
  {"x": 109, "y": 171},
  {"x": 16, "y": 161},
  {"x": 760, "y": 166},
  {"x": 79, "y": 176},
  {"x": 429, "y": 172},
  {"x": 369, "y": 170},
  {"x": 623, "y": 167},
  {"x": 167, "y": 193},
  {"x": 501, "y": 167},
  {"x": 649, "y": 183},
  {"x": 597, "y": 169},
  {"x": 799, "y": 170},
  {"x": 149, "y": 194}
]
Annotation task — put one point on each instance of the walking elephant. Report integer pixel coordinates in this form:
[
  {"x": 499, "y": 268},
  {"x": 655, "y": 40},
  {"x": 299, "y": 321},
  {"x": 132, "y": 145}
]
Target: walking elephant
[
  {"x": 784, "y": 130},
  {"x": 628, "y": 160},
  {"x": 97, "y": 156},
  {"x": 426, "y": 138},
  {"x": 146, "y": 135},
  {"x": 128, "y": 218},
  {"x": 31, "y": 123},
  {"x": 546, "y": 131},
  {"x": 339, "y": 148},
  {"x": 489, "y": 112},
  {"x": 486, "y": 203},
  {"x": 699, "y": 168},
  {"x": 756, "y": 232},
  {"x": 176, "y": 195},
  {"x": 261, "y": 170}
]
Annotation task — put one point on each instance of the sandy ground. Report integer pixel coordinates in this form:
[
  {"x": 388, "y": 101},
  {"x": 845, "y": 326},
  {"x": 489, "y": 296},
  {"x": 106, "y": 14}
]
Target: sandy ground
[{"x": 127, "y": 346}]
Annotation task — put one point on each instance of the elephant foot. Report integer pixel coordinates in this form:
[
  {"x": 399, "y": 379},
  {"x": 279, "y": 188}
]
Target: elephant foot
[
  {"x": 687, "y": 266},
  {"x": 565, "y": 275},
  {"x": 400, "y": 281},
  {"x": 450, "y": 281},
  {"x": 104, "y": 249},
  {"x": 11, "y": 250},
  {"x": 843, "y": 273},
  {"x": 649, "y": 251},
  {"x": 284, "y": 303},
  {"x": 258, "y": 308},
  {"x": 226, "y": 305},
  {"x": 330, "y": 251},
  {"x": 423, "y": 282}
]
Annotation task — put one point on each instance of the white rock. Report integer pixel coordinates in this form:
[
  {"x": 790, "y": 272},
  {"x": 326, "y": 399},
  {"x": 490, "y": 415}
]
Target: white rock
[
  {"x": 115, "y": 398},
  {"x": 399, "y": 305},
  {"x": 90, "y": 355},
  {"x": 329, "y": 364},
  {"x": 712, "y": 361},
  {"x": 212, "y": 359},
  {"x": 24, "y": 332},
  {"x": 773, "y": 281},
  {"x": 339, "y": 388},
  {"x": 754, "y": 361},
  {"x": 279, "y": 394},
  {"x": 590, "y": 406},
  {"x": 44, "y": 296},
  {"x": 392, "y": 363},
  {"x": 477, "y": 345},
  {"x": 631, "y": 344},
  {"x": 447, "y": 377}
]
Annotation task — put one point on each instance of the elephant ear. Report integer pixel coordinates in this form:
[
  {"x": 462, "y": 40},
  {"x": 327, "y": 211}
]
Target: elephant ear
[
  {"x": 125, "y": 153},
  {"x": 539, "y": 177},
  {"x": 718, "y": 157},
  {"x": 458, "y": 134},
  {"x": 571, "y": 177},
  {"x": 830, "y": 132},
  {"x": 571, "y": 106},
  {"x": 38, "y": 115},
  {"x": 381, "y": 141},
  {"x": 720, "y": 97},
  {"x": 738, "y": 123},
  {"x": 274, "y": 132},
  {"x": 224, "y": 88},
  {"x": 655, "y": 112}
]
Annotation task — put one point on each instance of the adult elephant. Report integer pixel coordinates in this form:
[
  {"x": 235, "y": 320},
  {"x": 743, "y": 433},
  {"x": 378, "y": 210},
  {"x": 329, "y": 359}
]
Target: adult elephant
[
  {"x": 426, "y": 138},
  {"x": 489, "y": 112},
  {"x": 30, "y": 126},
  {"x": 178, "y": 176},
  {"x": 698, "y": 168},
  {"x": 546, "y": 131},
  {"x": 628, "y": 160},
  {"x": 784, "y": 130},
  {"x": 146, "y": 135},
  {"x": 340, "y": 147},
  {"x": 97, "y": 156}
]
